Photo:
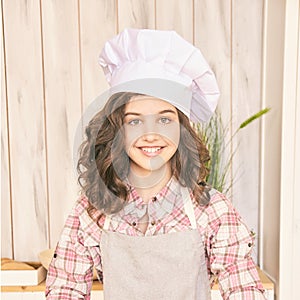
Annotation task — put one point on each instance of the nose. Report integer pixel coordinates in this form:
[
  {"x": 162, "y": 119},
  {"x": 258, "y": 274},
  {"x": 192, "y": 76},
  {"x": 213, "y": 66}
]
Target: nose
[
  {"x": 150, "y": 133},
  {"x": 150, "y": 137}
]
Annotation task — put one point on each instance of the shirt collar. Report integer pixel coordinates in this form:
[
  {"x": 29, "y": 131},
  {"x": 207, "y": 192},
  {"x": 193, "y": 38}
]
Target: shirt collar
[
  {"x": 163, "y": 201},
  {"x": 166, "y": 199}
]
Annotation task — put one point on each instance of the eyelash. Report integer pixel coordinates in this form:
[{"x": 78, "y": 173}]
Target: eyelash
[
  {"x": 165, "y": 118},
  {"x": 132, "y": 122},
  {"x": 136, "y": 122}
]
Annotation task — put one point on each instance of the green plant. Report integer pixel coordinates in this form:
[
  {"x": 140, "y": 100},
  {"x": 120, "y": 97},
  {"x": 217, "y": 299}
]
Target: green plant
[{"x": 214, "y": 134}]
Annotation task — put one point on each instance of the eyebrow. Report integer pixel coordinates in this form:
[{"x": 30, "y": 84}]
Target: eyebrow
[
  {"x": 132, "y": 113},
  {"x": 160, "y": 113},
  {"x": 167, "y": 111}
]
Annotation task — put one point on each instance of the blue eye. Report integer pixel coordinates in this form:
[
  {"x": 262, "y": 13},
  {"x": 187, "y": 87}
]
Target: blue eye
[
  {"x": 164, "y": 120},
  {"x": 134, "y": 122}
]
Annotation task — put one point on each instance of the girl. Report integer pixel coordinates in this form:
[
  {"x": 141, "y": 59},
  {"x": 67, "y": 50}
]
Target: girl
[{"x": 146, "y": 220}]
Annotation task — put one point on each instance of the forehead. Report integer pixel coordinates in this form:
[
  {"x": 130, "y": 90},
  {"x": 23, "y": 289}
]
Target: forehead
[{"x": 148, "y": 105}]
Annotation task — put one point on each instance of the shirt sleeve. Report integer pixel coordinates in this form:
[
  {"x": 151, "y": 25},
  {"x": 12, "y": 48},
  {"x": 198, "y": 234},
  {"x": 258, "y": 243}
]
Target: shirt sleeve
[
  {"x": 229, "y": 247},
  {"x": 70, "y": 273}
]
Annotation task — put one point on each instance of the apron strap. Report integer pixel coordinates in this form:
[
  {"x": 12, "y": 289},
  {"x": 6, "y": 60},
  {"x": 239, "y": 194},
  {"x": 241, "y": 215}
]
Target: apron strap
[
  {"x": 107, "y": 222},
  {"x": 188, "y": 206}
]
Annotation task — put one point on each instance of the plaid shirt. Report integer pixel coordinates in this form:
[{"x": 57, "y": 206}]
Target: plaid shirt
[{"x": 227, "y": 241}]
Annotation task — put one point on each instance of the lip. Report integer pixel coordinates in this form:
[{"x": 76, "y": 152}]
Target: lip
[{"x": 151, "y": 151}]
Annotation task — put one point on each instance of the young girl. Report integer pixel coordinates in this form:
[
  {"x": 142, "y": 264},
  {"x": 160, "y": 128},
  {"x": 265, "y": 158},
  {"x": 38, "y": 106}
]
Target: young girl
[{"x": 147, "y": 221}]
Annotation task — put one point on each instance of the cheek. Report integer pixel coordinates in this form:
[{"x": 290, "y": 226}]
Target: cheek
[
  {"x": 171, "y": 133},
  {"x": 131, "y": 136}
]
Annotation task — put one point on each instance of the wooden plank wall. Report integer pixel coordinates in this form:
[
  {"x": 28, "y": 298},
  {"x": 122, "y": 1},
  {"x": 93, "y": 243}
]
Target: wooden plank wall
[{"x": 50, "y": 75}]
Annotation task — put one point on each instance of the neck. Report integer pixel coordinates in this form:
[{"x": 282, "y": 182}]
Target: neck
[{"x": 149, "y": 183}]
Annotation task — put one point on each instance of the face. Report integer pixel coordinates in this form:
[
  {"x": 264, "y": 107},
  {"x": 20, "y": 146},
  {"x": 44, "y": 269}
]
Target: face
[{"x": 152, "y": 133}]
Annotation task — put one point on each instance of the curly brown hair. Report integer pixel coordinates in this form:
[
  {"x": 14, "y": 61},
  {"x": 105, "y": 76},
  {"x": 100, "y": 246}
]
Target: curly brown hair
[{"x": 104, "y": 164}]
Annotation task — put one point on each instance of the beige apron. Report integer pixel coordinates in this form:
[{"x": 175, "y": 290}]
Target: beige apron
[{"x": 168, "y": 266}]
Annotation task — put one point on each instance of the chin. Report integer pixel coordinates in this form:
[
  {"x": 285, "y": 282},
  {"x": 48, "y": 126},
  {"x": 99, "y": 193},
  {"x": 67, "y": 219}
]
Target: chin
[{"x": 150, "y": 166}]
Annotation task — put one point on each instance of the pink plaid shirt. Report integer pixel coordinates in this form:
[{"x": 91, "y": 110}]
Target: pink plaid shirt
[{"x": 227, "y": 241}]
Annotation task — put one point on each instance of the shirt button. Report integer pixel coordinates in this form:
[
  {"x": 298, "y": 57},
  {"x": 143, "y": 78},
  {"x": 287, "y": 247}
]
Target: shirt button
[
  {"x": 154, "y": 199},
  {"x": 152, "y": 223},
  {"x": 134, "y": 223}
]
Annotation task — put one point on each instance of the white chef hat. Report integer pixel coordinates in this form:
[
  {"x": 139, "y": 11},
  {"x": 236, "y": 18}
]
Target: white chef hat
[{"x": 164, "y": 65}]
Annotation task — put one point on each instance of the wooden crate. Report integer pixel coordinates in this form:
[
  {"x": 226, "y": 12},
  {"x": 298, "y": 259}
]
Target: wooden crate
[{"x": 24, "y": 277}]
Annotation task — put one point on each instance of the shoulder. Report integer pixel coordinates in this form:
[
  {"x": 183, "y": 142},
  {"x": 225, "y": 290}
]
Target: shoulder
[
  {"x": 80, "y": 225},
  {"x": 78, "y": 209},
  {"x": 81, "y": 208},
  {"x": 219, "y": 210},
  {"x": 219, "y": 204},
  {"x": 81, "y": 205}
]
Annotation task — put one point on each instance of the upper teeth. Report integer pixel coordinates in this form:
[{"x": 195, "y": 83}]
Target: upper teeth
[{"x": 151, "y": 150}]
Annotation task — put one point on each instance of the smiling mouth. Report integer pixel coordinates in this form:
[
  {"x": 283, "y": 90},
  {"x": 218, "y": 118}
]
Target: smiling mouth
[{"x": 151, "y": 149}]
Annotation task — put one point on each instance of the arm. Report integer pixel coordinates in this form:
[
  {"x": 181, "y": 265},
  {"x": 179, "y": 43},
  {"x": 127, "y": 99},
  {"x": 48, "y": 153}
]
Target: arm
[
  {"x": 229, "y": 245},
  {"x": 71, "y": 270}
]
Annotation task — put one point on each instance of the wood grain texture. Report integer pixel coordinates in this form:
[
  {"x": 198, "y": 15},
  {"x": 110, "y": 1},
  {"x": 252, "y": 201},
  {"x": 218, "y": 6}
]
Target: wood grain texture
[
  {"x": 212, "y": 25},
  {"x": 296, "y": 238},
  {"x": 98, "y": 23},
  {"x": 6, "y": 226},
  {"x": 246, "y": 100},
  {"x": 136, "y": 14},
  {"x": 63, "y": 105},
  {"x": 296, "y": 204},
  {"x": 26, "y": 127},
  {"x": 289, "y": 231},
  {"x": 176, "y": 15},
  {"x": 274, "y": 26}
]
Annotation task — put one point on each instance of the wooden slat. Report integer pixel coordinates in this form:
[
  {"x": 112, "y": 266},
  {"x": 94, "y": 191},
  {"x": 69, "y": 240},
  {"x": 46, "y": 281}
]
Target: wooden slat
[
  {"x": 63, "y": 105},
  {"x": 26, "y": 127},
  {"x": 246, "y": 100},
  {"x": 176, "y": 15},
  {"x": 289, "y": 231},
  {"x": 98, "y": 23},
  {"x": 296, "y": 216},
  {"x": 6, "y": 228},
  {"x": 296, "y": 204},
  {"x": 274, "y": 27},
  {"x": 136, "y": 14},
  {"x": 212, "y": 27}
]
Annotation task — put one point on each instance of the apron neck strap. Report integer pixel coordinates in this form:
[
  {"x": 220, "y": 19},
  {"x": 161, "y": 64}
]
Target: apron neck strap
[
  {"x": 106, "y": 222},
  {"x": 188, "y": 206}
]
